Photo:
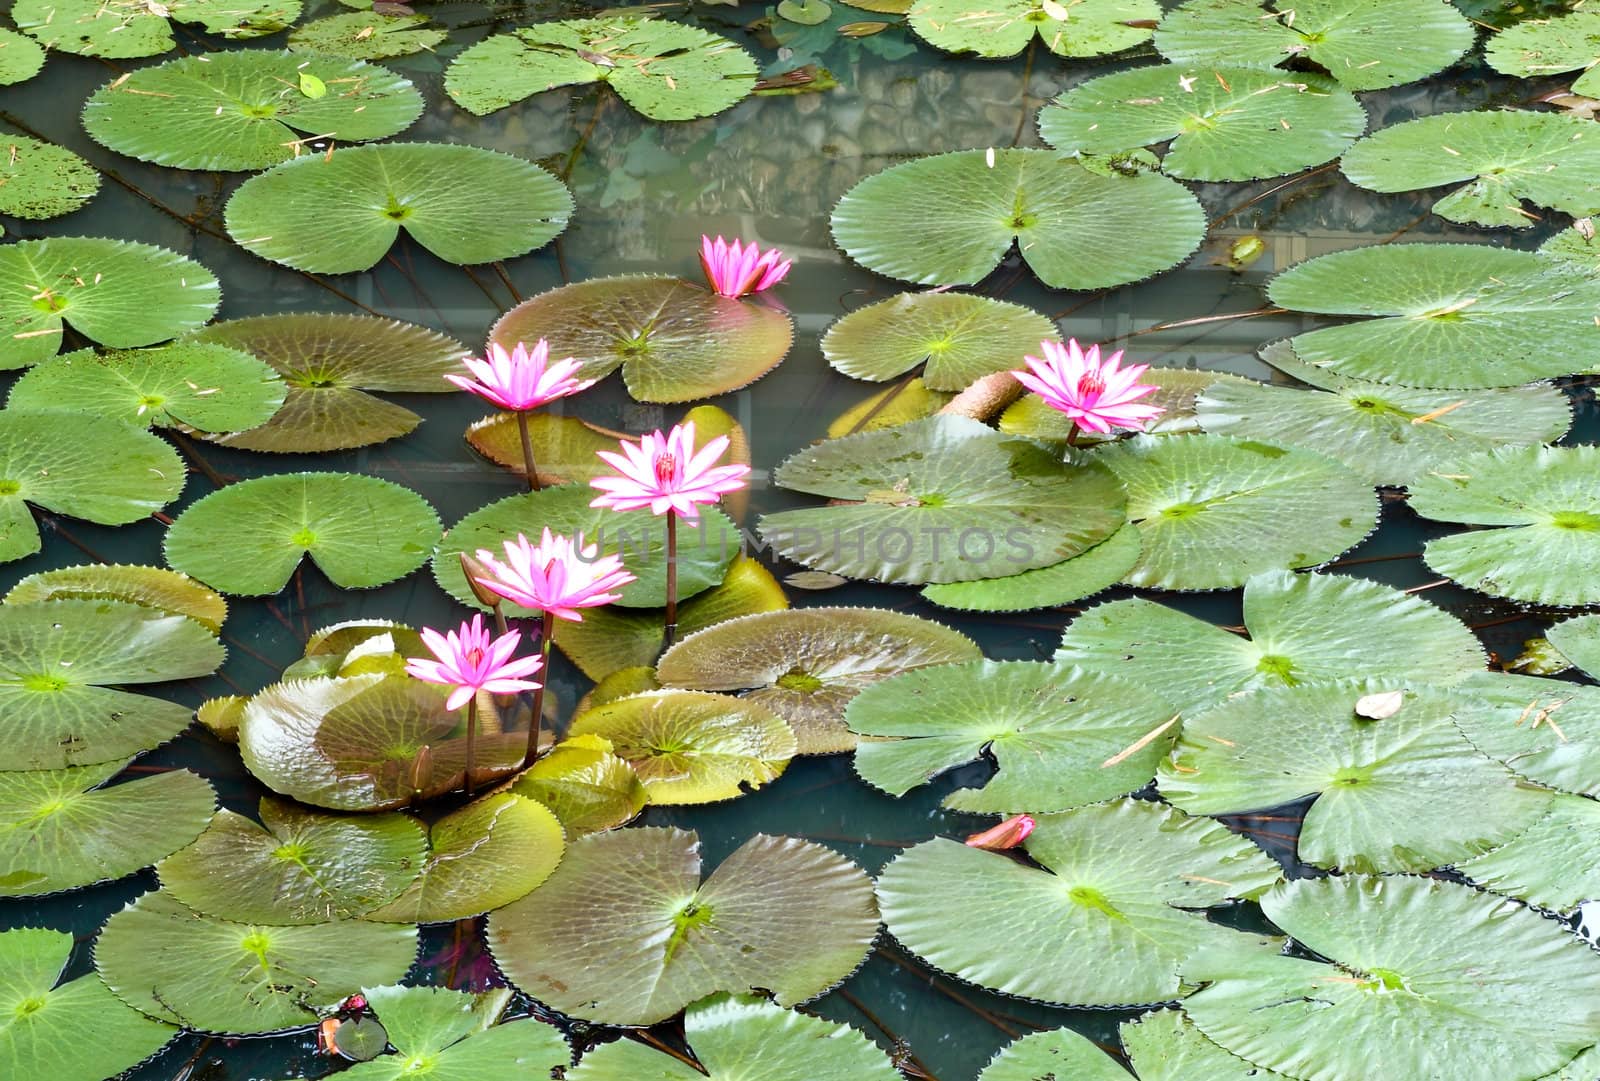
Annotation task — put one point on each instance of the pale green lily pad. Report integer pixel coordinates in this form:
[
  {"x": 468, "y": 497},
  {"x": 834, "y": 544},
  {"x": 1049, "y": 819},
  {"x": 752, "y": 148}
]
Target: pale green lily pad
[
  {"x": 1177, "y": 391},
  {"x": 356, "y": 647},
  {"x": 152, "y": 587},
  {"x": 806, "y": 664},
  {"x": 950, "y": 218},
  {"x": 1541, "y": 47},
  {"x": 665, "y": 70},
  {"x": 693, "y": 747},
  {"x": 298, "y": 866},
  {"x": 56, "y": 660},
  {"x": 1006, "y": 27},
  {"x": 1547, "y": 730},
  {"x": 675, "y": 342},
  {"x": 40, "y": 180},
  {"x": 1084, "y": 575},
  {"x": 116, "y": 292},
  {"x": 1214, "y": 511},
  {"x": 625, "y": 933},
  {"x": 127, "y": 29},
  {"x": 1546, "y": 496},
  {"x": 364, "y": 35},
  {"x": 21, "y": 58},
  {"x": 1107, "y": 922},
  {"x": 1578, "y": 641},
  {"x": 1302, "y": 629},
  {"x": 248, "y": 538},
  {"x": 1548, "y": 159},
  {"x": 1165, "y": 1046},
  {"x": 1053, "y": 1054},
  {"x": 1576, "y": 244},
  {"x": 1225, "y": 123},
  {"x": 246, "y": 109},
  {"x": 444, "y": 1035},
  {"x": 175, "y": 965},
  {"x": 563, "y": 446},
  {"x": 1405, "y": 793},
  {"x": 59, "y": 830},
  {"x": 905, "y": 401},
  {"x": 587, "y": 786},
  {"x": 1554, "y": 863},
  {"x": 1056, "y": 734},
  {"x": 959, "y": 336},
  {"x": 341, "y": 212}
]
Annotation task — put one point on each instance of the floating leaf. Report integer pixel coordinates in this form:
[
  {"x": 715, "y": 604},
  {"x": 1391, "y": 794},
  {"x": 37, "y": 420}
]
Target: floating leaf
[
  {"x": 248, "y": 538},
  {"x": 1177, "y": 390},
  {"x": 1554, "y": 863},
  {"x": 960, "y": 337},
  {"x": 1061, "y": 1052},
  {"x": 1539, "y": 47},
  {"x": 41, "y": 180},
  {"x": 910, "y": 400},
  {"x": 1546, "y": 730},
  {"x": 127, "y": 29},
  {"x": 1100, "y": 568},
  {"x": 585, "y": 784},
  {"x": 443, "y": 1035},
  {"x": 1578, "y": 641},
  {"x": 779, "y": 914},
  {"x": 563, "y": 447},
  {"x": 665, "y": 70},
  {"x": 152, "y": 587},
  {"x": 1577, "y": 244},
  {"x": 950, "y": 218},
  {"x": 1165, "y": 1046},
  {"x": 340, "y": 212},
  {"x": 1078, "y": 28},
  {"x": 365, "y": 35},
  {"x": 675, "y": 342},
  {"x": 21, "y": 58}
]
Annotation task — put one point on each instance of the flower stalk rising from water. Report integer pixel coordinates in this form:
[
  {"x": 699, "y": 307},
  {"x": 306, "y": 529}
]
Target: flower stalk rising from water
[
  {"x": 736, "y": 270},
  {"x": 521, "y": 381},
  {"x": 1097, "y": 395}
]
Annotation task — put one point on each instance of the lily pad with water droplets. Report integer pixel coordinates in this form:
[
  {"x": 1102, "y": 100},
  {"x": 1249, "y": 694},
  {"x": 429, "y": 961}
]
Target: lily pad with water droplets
[
  {"x": 1547, "y": 730},
  {"x": 1084, "y": 575},
  {"x": 40, "y": 180},
  {"x": 21, "y": 58},
  {"x": 152, "y": 587},
  {"x": 780, "y": 914},
  {"x": 959, "y": 336},
  {"x": 1078, "y": 28},
  {"x": 128, "y": 29},
  {"x": 1552, "y": 864},
  {"x": 1177, "y": 391},
  {"x": 1535, "y": 48},
  {"x": 444, "y": 1035},
  {"x": 949, "y": 219},
  {"x": 587, "y": 786},
  {"x": 366, "y": 35}
]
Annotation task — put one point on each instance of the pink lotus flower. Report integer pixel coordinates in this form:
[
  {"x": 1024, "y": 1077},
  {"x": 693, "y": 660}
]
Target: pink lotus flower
[
  {"x": 1008, "y": 834},
  {"x": 559, "y": 576},
  {"x": 665, "y": 473},
  {"x": 521, "y": 380},
  {"x": 1097, "y": 395},
  {"x": 471, "y": 660},
  {"x": 736, "y": 271}
]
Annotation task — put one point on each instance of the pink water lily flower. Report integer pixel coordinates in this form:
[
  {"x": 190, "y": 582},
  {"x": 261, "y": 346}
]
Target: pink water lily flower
[
  {"x": 523, "y": 379},
  {"x": 735, "y": 271},
  {"x": 559, "y": 575},
  {"x": 666, "y": 473},
  {"x": 471, "y": 660},
  {"x": 1098, "y": 396},
  {"x": 1008, "y": 834}
]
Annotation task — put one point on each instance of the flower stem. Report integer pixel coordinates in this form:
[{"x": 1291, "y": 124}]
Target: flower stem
[
  {"x": 472, "y": 738},
  {"x": 1072, "y": 434},
  {"x": 547, "y": 635},
  {"x": 672, "y": 577},
  {"x": 527, "y": 451}
]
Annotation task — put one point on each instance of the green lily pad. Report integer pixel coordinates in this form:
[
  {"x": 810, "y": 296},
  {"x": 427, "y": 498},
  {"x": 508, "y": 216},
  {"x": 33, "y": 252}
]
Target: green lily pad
[
  {"x": 1578, "y": 641},
  {"x": 364, "y": 35},
  {"x": 806, "y": 664},
  {"x": 805, "y": 12},
  {"x": 1405, "y": 793},
  {"x": 1165, "y": 1046},
  {"x": 675, "y": 342},
  {"x": 1214, "y": 511},
  {"x": 563, "y": 446},
  {"x": 1302, "y": 630},
  {"x": 1225, "y": 123},
  {"x": 906, "y": 401},
  {"x": 1005, "y": 27},
  {"x": 1540, "y": 47},
  {"x": 1056, "y": 1053},
  {"x": 1547, "y": 730},
  {"x": 1109, "y": 921},
  {"x": 1177, "y": 391},
  {"x": 693, "y": 747},
  {"x": 586, "y": 785},
  {"x": 298, "y": 866},
  {"x": 152, "y": 587},
  {"x": 784, "y": 915},
  {"x": 175, "y": 965},
  {"x": 329, "y": 362},
  {"x": 665, "y": 70},
  {"x": 21, "y": 58},
  {"x": 444, "y": 1035},
  {"x": 56, "y": 662},
  {"x": 59, "y": 830},
  {"x": 950, "y": 218},
  {"x": 115, "y": 292},
  {"x": 46, "y": 1022},
  {"x": 1057, "y": 735},
  {"x": 1100, "y": 568},
  {"x": 127, "y": 29},
  {"x": 1554, "y": 863},
  {"x": 356, "y": 647},
  {"x": 247, "y": 539},
  {"x": 1576, "y": 244},
  {"x": 1446, "y": 315},
  {"x": 340, "y": 212},
  {"x": 960, "y": 337},
  {"x": 40, "y": 180},
  {"x": 246, "y": 109}
]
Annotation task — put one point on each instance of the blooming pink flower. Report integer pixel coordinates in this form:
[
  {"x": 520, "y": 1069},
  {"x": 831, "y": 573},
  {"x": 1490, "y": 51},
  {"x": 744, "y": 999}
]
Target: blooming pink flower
[
  {"x": 471, "y": 660},
  {"x": 735, "y": 271},
  {"x": 560, "y": 575},
  {"x": 1008, "y": 834},
  {"x": 521, "y": 380},
  {"x": 1097, "y": 395},
  {"x": 666, "y": 473}
]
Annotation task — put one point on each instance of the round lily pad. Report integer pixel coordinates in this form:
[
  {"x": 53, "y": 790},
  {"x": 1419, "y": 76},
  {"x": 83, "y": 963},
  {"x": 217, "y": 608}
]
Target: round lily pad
[
  {"x": 1177, "y": 390},
  {"x": 340, "y": 212},
  {"x": 1006, "y": 27},
  {"x": 675, "y": 342},
  {"x": 1547, "y": 730},
  {"x": 1540, "y": 47},
  {"x": 1552, "y": 864},
  {"x": 1084, "y": 575},
  {"x": 21, "y": 58},
  {"x": 152, "y": 587},
  {"x": 950, "y": 218},
  {"x": 366, "y": 35},
  {"x": 585, "y": 784},
  {"x": 959, "y": 336},
  {"x": 248, "y": 538},
  {"x": 40, "y": 180},
  {"x": 444, "y": 1035},
  {"x": 127, "y": 29},
  {"x": 1058, "y": 1052}
]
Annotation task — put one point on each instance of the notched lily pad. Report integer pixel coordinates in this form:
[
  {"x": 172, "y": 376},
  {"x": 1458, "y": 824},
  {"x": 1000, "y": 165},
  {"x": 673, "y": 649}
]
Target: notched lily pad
[
  {"x": 40, "y": 180},
  {"x": 367, "y": 35},
  {"x": 587, "y": 786},
  {"x": 442, "y": 1035},
  {"x": 1547, "y": 730},
  {"x": 1081, "y": 28},
  {"x": 127, "y": 29},
  {"x": 959, "y": 336},
  {"x": 1540, "y": 47},
  {"x": 1084, "y": 575}
]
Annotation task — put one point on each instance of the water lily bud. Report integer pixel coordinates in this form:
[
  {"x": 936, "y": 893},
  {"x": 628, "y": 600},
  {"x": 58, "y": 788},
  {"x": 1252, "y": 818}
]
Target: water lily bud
[{"x": 1008, "y": 834}]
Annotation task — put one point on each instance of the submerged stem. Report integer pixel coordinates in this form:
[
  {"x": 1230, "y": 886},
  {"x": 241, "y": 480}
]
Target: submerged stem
[
  {"x": 527, "y": 451},
  {"x": 672, "y": 577}
]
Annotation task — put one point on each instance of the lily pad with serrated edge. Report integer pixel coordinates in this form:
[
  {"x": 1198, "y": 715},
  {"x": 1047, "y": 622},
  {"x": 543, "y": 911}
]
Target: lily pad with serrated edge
[
  {"x": 1405, "y": 793},
  {"x": 1081, "y": 28},
  {"x": 1058, "y": 736},
  {"x": 806, "y": 664},
  {"x": 1445, "y": 315},
  {"x": 1541, "y": 47},
  {"x": 1578, "y": 641},
  {"x": 1214, "y": 511},
  {"x": 1225, "y": 123},
  {"x": 1554, "y": 864},
  {"x": 248, "y": 538},
  {"x": 674, "y": 341},
  {"x": 46, "y": 1021},
  {"x": 152, "y": 587},
  {"x": 128, "y": 29},
  {"x": 586, "y": 785},
  {"x": 1505, "y": 996},
  {"x": 1165, "y": 1046},
  {"x": 116, "y": 292},
  {"x": 212, "y": 975},
  {"x": 297, "y": 866},
  {"x": 1084, "y": 575},
  {"x": 340, "y": 212},
  {"x": 1547, "y": 730},
  {"x": 1177, "y": 390},
  {"x": 365, "y": 35},
  {"x": 21, "y": 58},
  {"x": 665, "y": 70},
  {"x": 40, "y": 180},
  {"x": 60, "y": 830},
  {"x": 1109, "y": 920},
  {"x": 949, "y": 219},
  {"x": 57, "y": 661},
  {"x": 781, "y": 914},
  {"x": 1061, "y": 1052},
  {"x": 246, "y": 109},
  {"x": 959, "y": 336},
  {"x": 444, "y": 1035},
  {"x": 1577, "y": 244},
  {"x": 563, "y": 447},
  {"x": 1365, "y": 44}
]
